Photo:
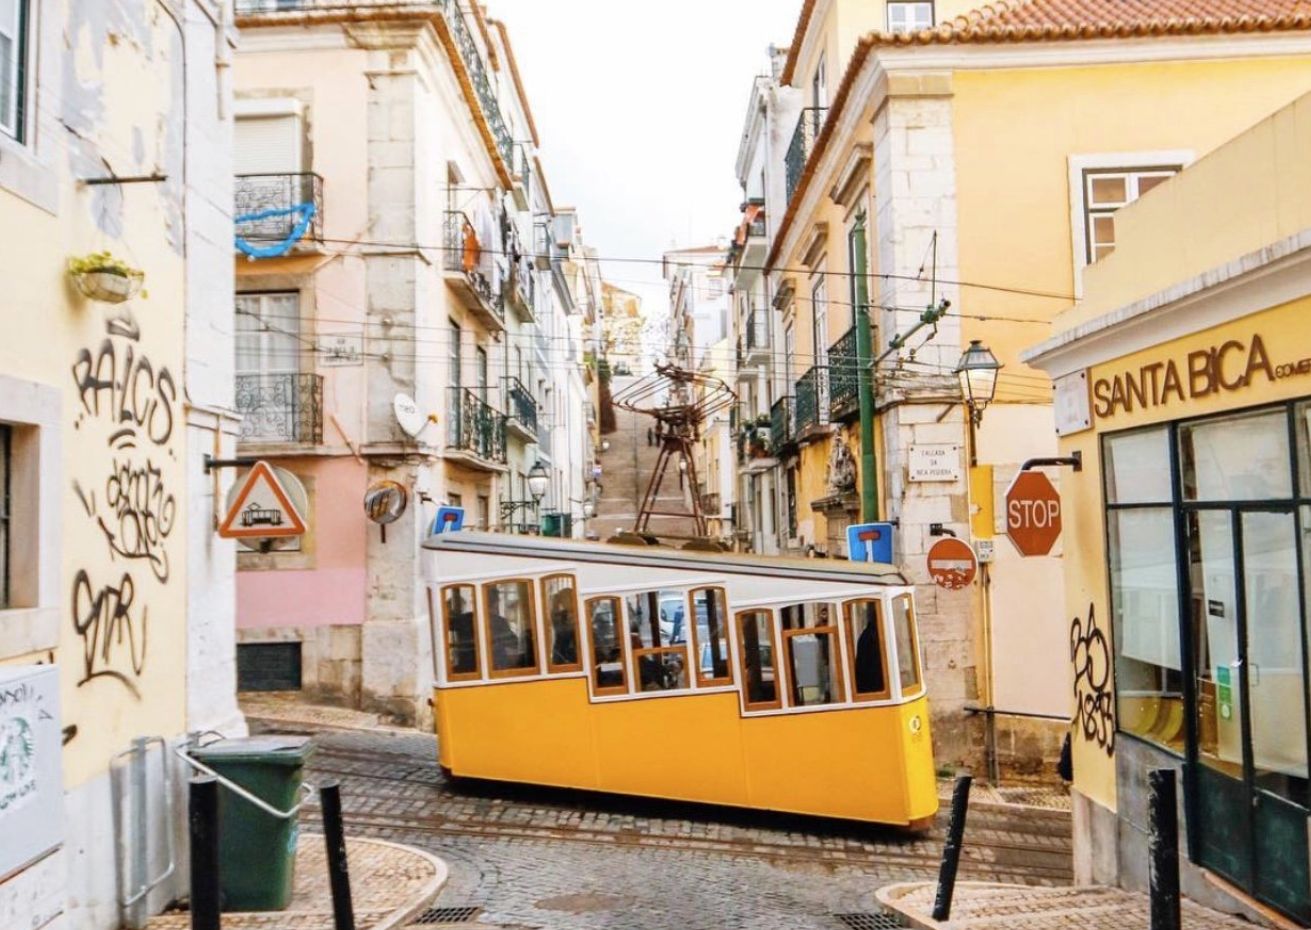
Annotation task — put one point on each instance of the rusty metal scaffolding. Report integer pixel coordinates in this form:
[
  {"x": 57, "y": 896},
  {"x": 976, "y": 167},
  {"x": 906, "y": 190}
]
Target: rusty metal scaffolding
[{"x": 680, "y": 401}]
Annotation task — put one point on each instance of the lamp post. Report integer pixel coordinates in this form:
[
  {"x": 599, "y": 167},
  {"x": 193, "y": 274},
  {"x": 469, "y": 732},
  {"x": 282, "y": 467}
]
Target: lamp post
[
  {"x": 977, "y": 371},
  {"x": 538, "y": 480}
]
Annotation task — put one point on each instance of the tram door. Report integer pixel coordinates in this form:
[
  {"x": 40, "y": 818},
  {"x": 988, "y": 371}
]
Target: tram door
[{"x": 1249, "y": 782}]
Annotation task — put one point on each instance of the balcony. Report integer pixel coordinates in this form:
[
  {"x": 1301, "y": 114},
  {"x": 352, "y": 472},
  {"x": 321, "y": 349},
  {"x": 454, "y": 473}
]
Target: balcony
[
  {"x": 258, "y": 195},
  {"x": 783, "y": 425},
  {"x": 844, "y": 378},
  {"x": 521, "y": 170},
  {"x": 812, "y": 404},
  {"x": 475, "y": 434},
  {"x": 521, "y": 411},
  {"x": 521, "y": 287},
  {"x": 752, "y": 239},
  {"x": 756, "y": 342},
  {"x": 809, "y": 124},
  {"x": 468, "y": 270},
  {"x": 755, "y": 444},
  {"x": 280, "y": 408}
]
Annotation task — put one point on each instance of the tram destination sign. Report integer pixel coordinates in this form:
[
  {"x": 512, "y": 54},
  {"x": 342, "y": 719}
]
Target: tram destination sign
[{"x": 1033, "y": 513}]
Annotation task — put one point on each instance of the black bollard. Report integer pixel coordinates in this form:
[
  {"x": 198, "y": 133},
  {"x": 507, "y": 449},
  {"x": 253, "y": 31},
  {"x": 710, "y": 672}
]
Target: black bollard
[
  {"x": 1163, "y": 874},
  {"x": 203, "y": 821},
  {"x": 960, "y": 803},
  {"x": 343, "y": 913}
]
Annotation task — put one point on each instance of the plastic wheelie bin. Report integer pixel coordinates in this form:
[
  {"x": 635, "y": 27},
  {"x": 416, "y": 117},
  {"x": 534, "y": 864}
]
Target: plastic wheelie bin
[{"x": 257, "y": 851}]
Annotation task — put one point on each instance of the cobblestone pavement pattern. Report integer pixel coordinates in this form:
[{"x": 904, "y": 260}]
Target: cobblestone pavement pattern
[
  {"x": 990, "y": 907},
  {"x": 389, "y": 885},
  {"x": 542, "y": 858}
]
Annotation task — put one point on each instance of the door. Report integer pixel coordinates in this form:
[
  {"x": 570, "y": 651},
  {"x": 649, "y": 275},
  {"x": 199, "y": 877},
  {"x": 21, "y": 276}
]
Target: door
[
  {"x": 1250, "y": 781},
  {"x": 819, "y": 301}
]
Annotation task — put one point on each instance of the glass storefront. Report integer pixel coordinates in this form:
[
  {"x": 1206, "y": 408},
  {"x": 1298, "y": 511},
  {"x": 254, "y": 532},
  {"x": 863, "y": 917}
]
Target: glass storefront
[{"x": 1209, "y": 549}]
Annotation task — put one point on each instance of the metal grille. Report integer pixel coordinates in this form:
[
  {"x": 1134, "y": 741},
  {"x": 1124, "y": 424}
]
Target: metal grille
[
  {"x": 256, "y": 193},
  {"x": 881, "y": 920},
  {"x": 268, "y": 667},
  {"x": 446, "y": 915},
  {"x": 280, "y": 407}
]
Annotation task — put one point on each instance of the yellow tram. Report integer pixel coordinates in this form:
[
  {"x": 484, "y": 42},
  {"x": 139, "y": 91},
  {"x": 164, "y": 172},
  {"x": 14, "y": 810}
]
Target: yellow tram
[{"x": 762, "y": 682}]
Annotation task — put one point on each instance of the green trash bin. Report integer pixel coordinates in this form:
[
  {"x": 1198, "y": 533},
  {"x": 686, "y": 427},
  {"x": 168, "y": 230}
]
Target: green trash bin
[{"x": 257, "y": 851}]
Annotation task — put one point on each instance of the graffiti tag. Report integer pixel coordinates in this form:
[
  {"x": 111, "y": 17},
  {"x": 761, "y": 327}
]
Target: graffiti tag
[
  {"x": 1094, "y": 702},
  {"x": 111, "y": 636},
  {"x": 129, "y": 391}
]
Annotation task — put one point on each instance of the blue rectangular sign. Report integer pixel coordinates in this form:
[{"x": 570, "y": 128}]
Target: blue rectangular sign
[
  {"x": 448, "y": 520},
  {"x": 870, "y": 542}
]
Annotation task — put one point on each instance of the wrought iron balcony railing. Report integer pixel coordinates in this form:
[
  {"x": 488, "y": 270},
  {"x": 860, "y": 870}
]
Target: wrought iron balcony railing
[
  {"x": 809, "y": 123},
  {"x": 465, "y": 253},
  {"x": 254, "y": 194},
  {"x": 757, "y": 330},
  {"x": 812, "y": 399},
  {"x": 282, "y": 407},
  {"x": 844, "y": 376},
  {"x": 454, "y": 14},
  {"x": 475, "y": 427},
  {"x": 783, "y": 422},
  {"x": 520, "y": 405}
]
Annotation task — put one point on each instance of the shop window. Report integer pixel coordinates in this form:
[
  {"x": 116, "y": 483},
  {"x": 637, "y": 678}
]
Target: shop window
[
  {"x": 1236, "y": 458},
  {"x": 560, "y": 601},
  {"x": 760, "y": 685},
  {"x": 459, "y": 613},
  {"x": 13, "y": 66},
  {"x": 710, "y": 637},
  {"x": 810, "y": 641},
  {"x": 1144, "y": 592},
  {"x": 608, "y": 674},
  {"x": 511, "y": 633},
  {"x": 657, "y": 626},
  {"x": 869, "y": 664}
]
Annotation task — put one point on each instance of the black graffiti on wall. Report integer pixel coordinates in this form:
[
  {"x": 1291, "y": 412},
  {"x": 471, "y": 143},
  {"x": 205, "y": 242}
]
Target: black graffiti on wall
[
  {"x": 1094, "y": 700},
  {"x": 135, "y": 402},
  {"x": 113, "y": 632}
]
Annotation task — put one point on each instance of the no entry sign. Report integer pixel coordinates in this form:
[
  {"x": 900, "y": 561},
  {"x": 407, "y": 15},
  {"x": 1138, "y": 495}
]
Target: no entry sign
[
  {"x": 1033, "y": 513},
  {"x": 952, "y": 563}
]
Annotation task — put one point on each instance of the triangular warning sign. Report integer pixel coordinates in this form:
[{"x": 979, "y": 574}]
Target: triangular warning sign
[{"x": 262, "y": 509}]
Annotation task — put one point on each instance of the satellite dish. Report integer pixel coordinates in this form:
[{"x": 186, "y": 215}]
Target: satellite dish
[{"x": 408, "y": 415}]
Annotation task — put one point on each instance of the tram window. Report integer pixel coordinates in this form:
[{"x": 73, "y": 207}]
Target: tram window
[
  {"x": 511, "y": 634},
  {"x": 710, "y": 636},
  {"x": 908, "y": 656},
  {"x": 759, "y": 671},
  {"x": 869, "y": 667},
  {"x": 560, "y": 600},
  {"x": 657, "y": 630},
  {"x": 459, "y": 609},
  {"x": 810, "y": 639},
  {"x": 608, "y": 672}
]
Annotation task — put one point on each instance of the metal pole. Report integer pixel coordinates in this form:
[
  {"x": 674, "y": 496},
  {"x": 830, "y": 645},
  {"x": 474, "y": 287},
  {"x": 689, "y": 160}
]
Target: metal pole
[
  {"x": 139, "y": 854},
  {"x": 204, "y": 829},
  {"x": 960, "y": 802},
  {"x": 1163, "y": 867},
  {"x": 343, "y": 914}
]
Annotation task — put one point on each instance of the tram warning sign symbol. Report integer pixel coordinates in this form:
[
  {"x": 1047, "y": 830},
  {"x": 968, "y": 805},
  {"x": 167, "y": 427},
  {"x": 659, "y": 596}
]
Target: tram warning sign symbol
[
  {"x": 1033, "y": 513},
  {"x": 261, "y": 509},
  {"x": 952, "y": 563}
]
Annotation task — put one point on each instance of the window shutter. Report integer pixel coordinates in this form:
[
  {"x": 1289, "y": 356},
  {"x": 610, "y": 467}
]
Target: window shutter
[{"x": 268, "y": 145}]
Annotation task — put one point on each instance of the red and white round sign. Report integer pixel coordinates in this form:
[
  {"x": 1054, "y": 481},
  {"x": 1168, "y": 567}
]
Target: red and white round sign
[{"x": 952, "y": 563}]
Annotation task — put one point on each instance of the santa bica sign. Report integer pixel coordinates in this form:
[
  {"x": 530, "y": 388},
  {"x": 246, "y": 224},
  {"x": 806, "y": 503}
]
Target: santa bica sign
[{"x": 1229, "y": 366}]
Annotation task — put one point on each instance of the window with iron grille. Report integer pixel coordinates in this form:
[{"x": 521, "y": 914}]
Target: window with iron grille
[
  {"x": 6, "y": 444},
  {"x": 13, "y": 66}
]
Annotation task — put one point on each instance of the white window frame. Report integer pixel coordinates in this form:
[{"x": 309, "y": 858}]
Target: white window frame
[
  {"x": 28, "y": 158},
  {"x": 37, "y": 475},
  {"x": 909, "y": 6},
  {"x": 1107, "y": 161},
  {"x": 14, "y": 124}
]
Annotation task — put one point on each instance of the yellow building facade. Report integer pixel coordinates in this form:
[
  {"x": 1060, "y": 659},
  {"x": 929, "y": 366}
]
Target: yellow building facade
[
  {"x": 1185, "y": 383},
  {"x": 973, "y": 170}
]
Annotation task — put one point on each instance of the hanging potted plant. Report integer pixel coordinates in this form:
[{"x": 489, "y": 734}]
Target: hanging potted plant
[{"x": 100, "y": 276}]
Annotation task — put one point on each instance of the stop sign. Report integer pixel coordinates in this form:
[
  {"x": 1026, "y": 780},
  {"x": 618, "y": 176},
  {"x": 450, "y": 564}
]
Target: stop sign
[{"x": 1033, "y": 513}]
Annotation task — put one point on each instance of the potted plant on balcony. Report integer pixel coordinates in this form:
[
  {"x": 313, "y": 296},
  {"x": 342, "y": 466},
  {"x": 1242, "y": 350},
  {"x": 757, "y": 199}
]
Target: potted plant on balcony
[{"x": 102, "y": 277}]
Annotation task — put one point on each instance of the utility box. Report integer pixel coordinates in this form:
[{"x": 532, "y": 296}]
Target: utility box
[
  {"x": 257, "y": 851},
  {"x": 31, "y": 779}
]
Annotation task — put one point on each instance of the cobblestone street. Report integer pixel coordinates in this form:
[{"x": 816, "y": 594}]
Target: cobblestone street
[{"x": 554, "y": 859}]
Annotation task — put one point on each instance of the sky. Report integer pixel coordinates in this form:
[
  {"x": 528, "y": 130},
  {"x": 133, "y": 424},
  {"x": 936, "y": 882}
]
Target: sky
[{"x": 640, "y": 109}]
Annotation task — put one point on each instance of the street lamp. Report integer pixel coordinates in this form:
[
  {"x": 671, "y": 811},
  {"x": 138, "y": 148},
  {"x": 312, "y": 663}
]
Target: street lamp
[
  {"x": 977, "y": 371},
  {"x": 538, "y": 480}
]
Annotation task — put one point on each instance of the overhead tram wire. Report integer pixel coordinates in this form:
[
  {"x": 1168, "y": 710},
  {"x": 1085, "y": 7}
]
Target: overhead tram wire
[{"x": 428, "y": 247}]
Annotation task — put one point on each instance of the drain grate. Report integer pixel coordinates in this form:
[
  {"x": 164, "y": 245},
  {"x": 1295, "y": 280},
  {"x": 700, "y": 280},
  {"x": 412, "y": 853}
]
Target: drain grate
[
  {"x": 446, "y": 915},
  {"x": 883, "y": 920}
]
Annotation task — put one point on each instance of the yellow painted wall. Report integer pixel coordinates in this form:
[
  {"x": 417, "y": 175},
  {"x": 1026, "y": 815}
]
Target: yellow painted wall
[
  {"x": 1014, "y": 133},
  {"x": 121, "y": 486}
]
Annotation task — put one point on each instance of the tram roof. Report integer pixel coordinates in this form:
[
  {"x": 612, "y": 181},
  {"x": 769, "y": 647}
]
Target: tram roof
[{"x": 737, "y": 563}]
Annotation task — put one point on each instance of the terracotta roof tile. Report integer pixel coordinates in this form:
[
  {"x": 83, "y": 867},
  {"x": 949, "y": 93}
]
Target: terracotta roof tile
[{"x": 1064, "y": 20}]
